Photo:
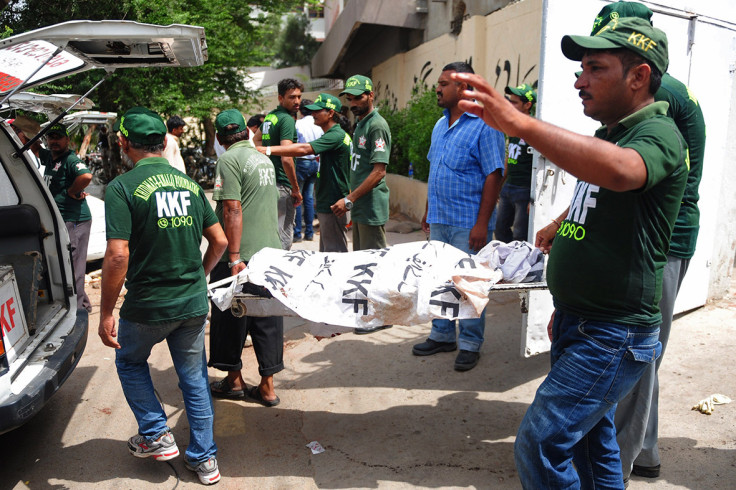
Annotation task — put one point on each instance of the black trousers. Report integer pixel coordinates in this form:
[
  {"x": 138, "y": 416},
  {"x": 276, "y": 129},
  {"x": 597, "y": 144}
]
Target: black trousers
[{"x": 228, "y": 334}]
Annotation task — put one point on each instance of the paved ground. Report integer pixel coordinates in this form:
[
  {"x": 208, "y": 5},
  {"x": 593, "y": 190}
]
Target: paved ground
[{"x": 386, "y": 419}]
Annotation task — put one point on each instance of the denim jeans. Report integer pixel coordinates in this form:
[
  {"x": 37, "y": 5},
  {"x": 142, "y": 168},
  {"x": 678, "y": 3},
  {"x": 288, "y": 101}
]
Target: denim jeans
[
  {"x": 512, "y": 212},
  {"x": 185, "y": 339},
  {"x": 594, "y": 364},
  {"x": 306, "y": 175},
  {"x": 471, "y": 330}
]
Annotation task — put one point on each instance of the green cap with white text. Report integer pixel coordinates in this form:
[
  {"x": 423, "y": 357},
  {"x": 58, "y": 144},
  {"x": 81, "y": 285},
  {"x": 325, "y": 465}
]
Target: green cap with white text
[
  {"x": 632, "y": 33},
  {"x": 228, "y": 117},
  {"x": 615, "y": 11},
  {"x": 326, "y": 101},
  {"x": 143, "y": 126},
  {"x": 357, "y": 85}
]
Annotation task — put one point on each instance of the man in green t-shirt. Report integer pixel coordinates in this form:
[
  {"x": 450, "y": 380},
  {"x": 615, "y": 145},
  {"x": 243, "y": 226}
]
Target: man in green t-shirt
[
  {"x": 605, "y": 269},
  {"x": 246, "y": 196},
  {"x": 637, "y": 414},
  {"x": 333, "y": 148},
  {"x": 513, "y": 205},
  {"x": 66, "y": 177},
  {"x": 368, "y": 198},
  {"x": 279, "y": 128},
  {"x": 156, "y": 217}
]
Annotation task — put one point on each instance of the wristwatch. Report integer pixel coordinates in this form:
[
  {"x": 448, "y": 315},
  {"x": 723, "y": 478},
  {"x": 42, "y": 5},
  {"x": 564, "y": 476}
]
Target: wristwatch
[
  {"x": 234, "y": 263},
  {"x": 348, "y": 204}
]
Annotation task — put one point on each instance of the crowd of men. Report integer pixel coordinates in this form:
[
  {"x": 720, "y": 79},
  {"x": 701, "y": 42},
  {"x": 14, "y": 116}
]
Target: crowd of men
[{"x": 636, "y": 199}]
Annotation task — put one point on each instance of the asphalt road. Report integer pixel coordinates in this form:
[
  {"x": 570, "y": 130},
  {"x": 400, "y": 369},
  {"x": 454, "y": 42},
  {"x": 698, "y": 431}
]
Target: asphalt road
[{"x": 386, "y": 419}]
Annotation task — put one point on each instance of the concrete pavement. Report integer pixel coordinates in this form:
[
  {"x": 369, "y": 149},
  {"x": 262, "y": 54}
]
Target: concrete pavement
[{"x": 386, "y": 419}]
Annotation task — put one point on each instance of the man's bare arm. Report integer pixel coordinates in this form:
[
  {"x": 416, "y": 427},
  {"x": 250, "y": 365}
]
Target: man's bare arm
[
  {"x": 233, "y": 217},
  {"x": 373, "y": 179},
  {"x": 114, "y": 269},
  {"x": 290, "y": 171},
  {"x": 489, "y": 198},
  {"x": 291, "y": 150}
]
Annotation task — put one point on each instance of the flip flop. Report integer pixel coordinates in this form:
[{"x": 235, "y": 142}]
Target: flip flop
[
  {"x": 254, "y": 395},
  {"x": 223, "y": 389}
]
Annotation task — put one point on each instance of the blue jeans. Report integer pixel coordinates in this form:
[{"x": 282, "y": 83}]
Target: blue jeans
[
  {"x": 185, "y": 339},
  {"x": 471, "y": 330},
  {"x": 594, "y": 364},
  {"x": 512, "y": 212},
  {"x": 306, "y": 175}
]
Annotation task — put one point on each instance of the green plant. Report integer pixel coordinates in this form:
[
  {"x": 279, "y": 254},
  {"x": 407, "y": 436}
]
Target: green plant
[{"x": 411, "y": 132}]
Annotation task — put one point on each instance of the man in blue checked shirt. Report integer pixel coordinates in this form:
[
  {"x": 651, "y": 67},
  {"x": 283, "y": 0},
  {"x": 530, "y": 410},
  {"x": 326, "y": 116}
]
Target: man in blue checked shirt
[{"x": 465, "y": 174}]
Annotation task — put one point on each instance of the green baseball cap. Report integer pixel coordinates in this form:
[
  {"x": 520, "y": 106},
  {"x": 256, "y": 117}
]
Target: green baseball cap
[
  {"x": 325, "y": 101},
  {"x": 525, "y": 91},
  {"x": 357, "y": 85},
  {"x": 631, "y": 33},
  {"x": 228, "y": 117},
  {"x": 132, "y": 110},
  {"x": 143, "y": 126},
  {"x": 617, "y": 10},
  {"x": 58, "y": 128}
]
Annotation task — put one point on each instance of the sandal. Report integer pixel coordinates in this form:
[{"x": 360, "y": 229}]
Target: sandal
[
  {"x": 223, "y": 389},
  {"x": 254, "y": 395}
]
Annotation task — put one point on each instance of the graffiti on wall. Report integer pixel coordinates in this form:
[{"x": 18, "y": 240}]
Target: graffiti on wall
[
  {"x": 509, "y": 75},
  {"x": 385, "y": 96}
]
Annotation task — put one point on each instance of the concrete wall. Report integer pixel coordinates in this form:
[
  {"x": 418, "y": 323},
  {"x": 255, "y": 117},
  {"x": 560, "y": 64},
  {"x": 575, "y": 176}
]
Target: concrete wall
[
  {"x": 503, "y": 47},
  {"x": 407, "y": 196}
]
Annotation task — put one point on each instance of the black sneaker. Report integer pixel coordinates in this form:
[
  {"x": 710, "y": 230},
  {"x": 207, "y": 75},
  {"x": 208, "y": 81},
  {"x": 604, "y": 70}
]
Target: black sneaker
[
  {"x": 646, "y": 471},
  {"x": 309, "y": 238},
  {"x": 429, "y": 347},
  {"x": 296, "y": 239},
  {"x": 466, "y": 360}
]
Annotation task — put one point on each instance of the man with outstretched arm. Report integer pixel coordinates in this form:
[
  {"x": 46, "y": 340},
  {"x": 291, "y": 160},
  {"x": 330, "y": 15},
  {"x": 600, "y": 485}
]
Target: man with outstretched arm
[
  {"x": 605, "y": 269},
  {"x": 333, "y": 148}
]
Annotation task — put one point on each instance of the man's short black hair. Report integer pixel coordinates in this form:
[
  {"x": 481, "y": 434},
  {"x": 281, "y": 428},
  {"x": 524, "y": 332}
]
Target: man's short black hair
[
  {"x": 157, "y": 148},
  {"x": 256, "y": 120},
  {"x": 175, "y": 122},
  {"x": 289, "y": 84},
  {"x": 231, "y": 139},
  {"x": 459, "y": 66},
  {"x": 303, "y": 107}
]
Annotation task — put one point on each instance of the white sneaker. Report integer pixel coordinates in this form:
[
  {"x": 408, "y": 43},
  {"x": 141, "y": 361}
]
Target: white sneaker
[
  {"x": 162, "y": 449},
  {"x": 207, "y": 471}
]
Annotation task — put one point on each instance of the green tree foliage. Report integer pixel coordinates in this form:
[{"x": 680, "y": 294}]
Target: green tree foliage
[
  {"x": 411, "y": 132},
  {"x": 295, "y": 45},
  {"x": 239, "y": 34}
]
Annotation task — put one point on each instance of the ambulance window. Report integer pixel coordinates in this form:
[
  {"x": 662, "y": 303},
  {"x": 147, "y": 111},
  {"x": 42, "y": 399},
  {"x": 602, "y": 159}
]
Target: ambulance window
[{"x": 8, "y": 197}]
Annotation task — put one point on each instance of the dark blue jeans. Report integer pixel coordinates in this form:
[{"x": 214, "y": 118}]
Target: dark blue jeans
[
  {"x": 306, "y": 175},
  {"x": 570, "y": 421},
  {"x": 512, "y": 212},
  {"x": 185, "y": 339}
]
